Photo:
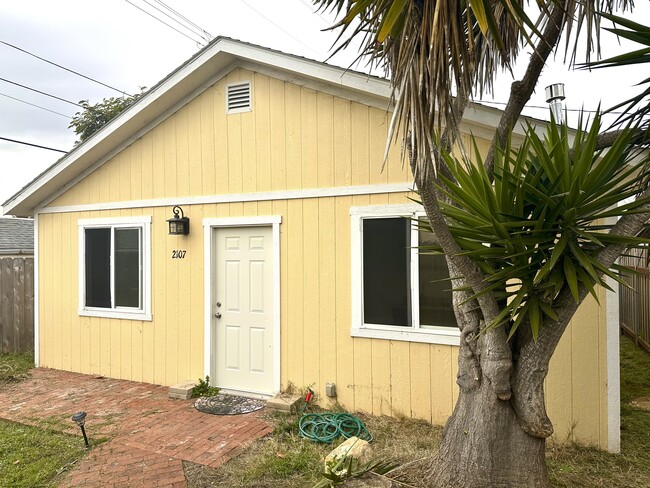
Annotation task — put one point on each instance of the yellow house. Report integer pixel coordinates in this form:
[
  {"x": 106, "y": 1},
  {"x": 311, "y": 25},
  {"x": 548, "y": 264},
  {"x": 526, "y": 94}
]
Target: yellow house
[{"x": 298, "y": 267}]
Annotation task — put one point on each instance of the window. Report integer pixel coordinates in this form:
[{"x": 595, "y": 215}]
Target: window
[
  {"x": 398, "y": 293},
  {"x": 114, "y": 268}
]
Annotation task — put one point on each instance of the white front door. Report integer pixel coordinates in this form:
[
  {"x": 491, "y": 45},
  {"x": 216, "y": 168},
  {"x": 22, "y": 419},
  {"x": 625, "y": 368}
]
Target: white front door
[{"x": 243, "y": 302}]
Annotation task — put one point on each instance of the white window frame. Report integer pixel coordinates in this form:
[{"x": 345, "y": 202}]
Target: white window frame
[
  {"x": 413, "y": 333},
  {"x": 143, "y": 313}
]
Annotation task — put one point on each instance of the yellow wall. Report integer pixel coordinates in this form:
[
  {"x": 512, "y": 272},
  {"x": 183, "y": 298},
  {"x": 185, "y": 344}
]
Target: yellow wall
[{"x": 295, "y": 138}]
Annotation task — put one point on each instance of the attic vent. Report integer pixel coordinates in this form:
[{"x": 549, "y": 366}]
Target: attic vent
[{"x": 239, "y": 98}]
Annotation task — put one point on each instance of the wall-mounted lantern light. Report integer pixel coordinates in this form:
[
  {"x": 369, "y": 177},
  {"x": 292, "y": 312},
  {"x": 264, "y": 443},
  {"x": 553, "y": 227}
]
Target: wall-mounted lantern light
[
  {"x": 79, "y": 418},
  {"x": 179, "y": 226}
]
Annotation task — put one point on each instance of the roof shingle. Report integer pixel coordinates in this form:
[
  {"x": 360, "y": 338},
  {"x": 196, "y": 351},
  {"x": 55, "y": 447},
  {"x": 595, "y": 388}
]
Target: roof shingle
[{"x": 16, "y": 236}]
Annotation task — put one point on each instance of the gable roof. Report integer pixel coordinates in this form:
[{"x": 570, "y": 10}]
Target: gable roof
[
  {"x": 16, "y": 236},
  {"x": 190, "y": 79}
]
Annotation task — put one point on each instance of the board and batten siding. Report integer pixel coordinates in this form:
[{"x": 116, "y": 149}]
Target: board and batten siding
[{"x": 294, "y": 138}]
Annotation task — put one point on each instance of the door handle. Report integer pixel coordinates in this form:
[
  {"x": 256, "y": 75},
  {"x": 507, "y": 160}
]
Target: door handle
[{"x": 218, "y": 315}]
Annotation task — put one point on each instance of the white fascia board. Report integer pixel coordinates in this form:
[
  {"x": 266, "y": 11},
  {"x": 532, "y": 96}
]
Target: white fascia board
[
  {"x": 157, "y": 101},
  {"x": 166, "y": 94},
  {"x": 314, "y": 69},
  {"x": 187, "y": 80}
]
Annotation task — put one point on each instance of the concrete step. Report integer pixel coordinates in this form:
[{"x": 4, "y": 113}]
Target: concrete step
[
  {"x": 181, "y": 391},
  {"x": 285, "y": 402}
]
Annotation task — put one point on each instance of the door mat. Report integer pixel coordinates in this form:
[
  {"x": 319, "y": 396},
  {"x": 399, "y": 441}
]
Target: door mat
[{"x": 228, "y": 404}]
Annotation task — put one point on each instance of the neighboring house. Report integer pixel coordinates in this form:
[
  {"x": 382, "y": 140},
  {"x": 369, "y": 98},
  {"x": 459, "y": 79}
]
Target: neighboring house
[
  {"x": 16, "y": 237},
  {"x": 16, "y": 285},
  {"x": 299, "y": 268}
]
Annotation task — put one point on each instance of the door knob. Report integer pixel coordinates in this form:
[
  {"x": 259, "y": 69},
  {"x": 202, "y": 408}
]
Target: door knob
[{"x": 217, "y": 315}]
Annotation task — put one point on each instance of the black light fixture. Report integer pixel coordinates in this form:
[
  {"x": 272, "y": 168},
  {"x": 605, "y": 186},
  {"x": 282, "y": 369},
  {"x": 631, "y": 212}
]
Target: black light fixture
[
  {"x": 79, "y": 418},
  {"x": 179, "y": 226}
]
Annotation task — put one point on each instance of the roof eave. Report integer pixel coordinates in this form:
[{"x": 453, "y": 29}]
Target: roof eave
[
  {"x": 178, "y": 87},
  {"x": 185, "y": 80}
]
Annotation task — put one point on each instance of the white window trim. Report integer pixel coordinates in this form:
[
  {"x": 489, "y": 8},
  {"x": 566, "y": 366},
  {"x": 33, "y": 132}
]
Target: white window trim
[
  {"x": 430, "y": 335},
  {"x": 144, "y": 223}
]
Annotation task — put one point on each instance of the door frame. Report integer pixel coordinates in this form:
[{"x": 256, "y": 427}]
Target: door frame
[{"x": 210, "y": 226}]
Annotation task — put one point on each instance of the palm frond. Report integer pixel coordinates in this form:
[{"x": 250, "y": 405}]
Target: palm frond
[
  {"x": 537, "y": 223},
  {"x": 638, "y": 106},
  {"x": 431, "y": 50}
]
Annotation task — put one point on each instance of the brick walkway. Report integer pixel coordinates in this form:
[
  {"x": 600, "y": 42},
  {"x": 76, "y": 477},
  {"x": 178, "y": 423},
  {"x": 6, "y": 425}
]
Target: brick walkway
[{"x": 150, "y": 434}]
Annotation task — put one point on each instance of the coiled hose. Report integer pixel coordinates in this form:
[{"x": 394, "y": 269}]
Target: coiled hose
[{"x": 325, "y": 427}]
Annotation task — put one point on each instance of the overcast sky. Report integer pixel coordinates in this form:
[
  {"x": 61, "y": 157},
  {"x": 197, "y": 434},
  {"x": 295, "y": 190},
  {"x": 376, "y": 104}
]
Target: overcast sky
[{"x": 118, "y": 44}]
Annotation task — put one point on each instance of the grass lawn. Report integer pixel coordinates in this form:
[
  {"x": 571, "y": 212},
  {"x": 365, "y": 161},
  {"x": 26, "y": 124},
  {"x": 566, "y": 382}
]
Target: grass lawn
[
  {"x": 31, "y": 457},
  {"x": 15, "y": 367},
  {"x": 34, "y": 457},
  {"x": 285, "y": 460}
]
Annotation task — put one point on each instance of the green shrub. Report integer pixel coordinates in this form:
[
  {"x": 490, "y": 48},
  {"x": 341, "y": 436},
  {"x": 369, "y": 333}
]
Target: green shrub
[{"x": 203, "y": 389}]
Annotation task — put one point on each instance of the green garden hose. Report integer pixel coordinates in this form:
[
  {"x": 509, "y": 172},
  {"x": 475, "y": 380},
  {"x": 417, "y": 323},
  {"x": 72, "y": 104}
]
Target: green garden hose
[{"x": 325, "y": 427}]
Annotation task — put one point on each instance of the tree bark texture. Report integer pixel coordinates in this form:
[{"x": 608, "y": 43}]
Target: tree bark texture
[
  {"x": 484, "y": 446},
  {"x": 486, "y": 442}
]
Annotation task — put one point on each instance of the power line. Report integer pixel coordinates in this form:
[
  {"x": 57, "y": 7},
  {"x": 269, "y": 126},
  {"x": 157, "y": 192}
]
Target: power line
[
  {"x": 193, "y": 30},
  {"x": 277, "y": 26},
  {"x": 34, "y": 105},
  {"x": 33, "y": 145},
  {"x": 329, "y": 23},
  {"x": 163, "y": 22},
  {"x": 546, "y": 108},
  {"x": 64, "y": 68},
  {"x": 41, "y": 92},
  {"x": 210, "y": 36}
]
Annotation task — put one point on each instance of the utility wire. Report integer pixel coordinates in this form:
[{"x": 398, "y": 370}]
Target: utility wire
[
  {"x": 193, "y": 31},
  {"x": 194, "y": 27},
  {"x": 547, "y": 108},
  {"x": 277, "y": 26},
  {"x": 33, "y": 145},
  {"x": 163, "y": 22},
  {"x": 160, "y": 2},
  {"x": 34, "y": 105},
  {"x": 64, "y": 68},
  {"x": 41, "y": 92},
  {"x": 329, "y": 23}
]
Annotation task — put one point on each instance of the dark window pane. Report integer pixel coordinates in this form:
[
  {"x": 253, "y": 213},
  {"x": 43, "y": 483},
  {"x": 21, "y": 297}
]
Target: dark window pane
[
  {"x": 386, "y": 274},
  {"x": 127, "y": 268},
  {"x": 435, "y": 288},
  {"x": 98, "y": 268}
]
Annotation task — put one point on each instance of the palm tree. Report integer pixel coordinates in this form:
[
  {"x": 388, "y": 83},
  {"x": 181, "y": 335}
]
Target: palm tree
[
  {"x": 523, "y": 213},
  {"x": 638, "y": 106}
]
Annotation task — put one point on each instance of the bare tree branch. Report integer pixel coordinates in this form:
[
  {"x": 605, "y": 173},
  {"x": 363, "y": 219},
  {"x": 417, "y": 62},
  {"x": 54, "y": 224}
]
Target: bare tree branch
[
  {"x": 522, "y": 90},
  {"x": 606, "y": 139},
  {"x": 532, "y": 366}
]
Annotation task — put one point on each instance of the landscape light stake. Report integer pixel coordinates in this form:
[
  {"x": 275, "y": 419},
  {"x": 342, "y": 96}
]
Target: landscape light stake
[{"x": 79, "y": 418}]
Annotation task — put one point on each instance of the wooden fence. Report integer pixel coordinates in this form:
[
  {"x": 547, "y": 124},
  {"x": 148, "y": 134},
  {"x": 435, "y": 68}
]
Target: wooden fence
[
  {"x": 16, "y": 305},
  {"x": 635, "y": 301}
]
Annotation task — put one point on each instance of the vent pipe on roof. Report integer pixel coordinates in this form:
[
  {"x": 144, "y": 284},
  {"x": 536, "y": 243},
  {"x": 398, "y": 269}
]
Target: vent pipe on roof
[{"x": 554, "y": 97}]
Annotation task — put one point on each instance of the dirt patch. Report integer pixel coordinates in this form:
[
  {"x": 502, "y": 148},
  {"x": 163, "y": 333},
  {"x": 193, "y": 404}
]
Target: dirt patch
[
  {"x": 198, "y": 476},
  {"x": 643, "y": 403}
]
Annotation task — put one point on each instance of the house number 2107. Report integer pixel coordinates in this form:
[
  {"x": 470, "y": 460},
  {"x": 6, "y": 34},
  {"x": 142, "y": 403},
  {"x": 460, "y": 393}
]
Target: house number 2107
[{"x": 178, "y": 254}]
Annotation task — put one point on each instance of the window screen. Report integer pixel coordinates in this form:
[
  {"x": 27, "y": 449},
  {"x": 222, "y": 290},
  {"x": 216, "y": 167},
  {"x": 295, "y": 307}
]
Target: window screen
[
  {"x": 124, "y": 277},
  {"x": 435, "y": 287},
  {"x": 98, "y": 267},
  {"x": 127, "y": 268},
  {"x": 386, "y": 277}
]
